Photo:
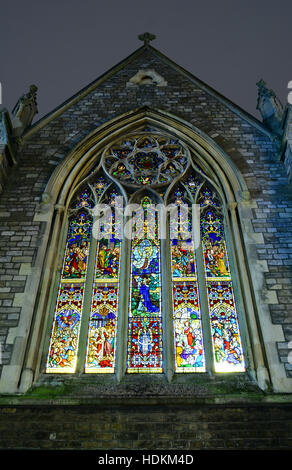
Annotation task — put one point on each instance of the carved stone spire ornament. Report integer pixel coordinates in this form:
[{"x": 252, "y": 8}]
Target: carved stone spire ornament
[
  {"x": 270, "y": 107},
  {"x": 146, "y": 37},
  {"x": 24, "y": 111}
]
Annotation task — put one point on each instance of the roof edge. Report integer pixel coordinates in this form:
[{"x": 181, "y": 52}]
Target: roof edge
[
  {"x": 91, "y": 86},
  {"x": 81, "y": 93},
  {"x": 226, "y": 101}
]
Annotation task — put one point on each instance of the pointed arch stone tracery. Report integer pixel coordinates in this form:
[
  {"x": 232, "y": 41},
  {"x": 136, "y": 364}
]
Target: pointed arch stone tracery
[{"x": 208, "y": 160}]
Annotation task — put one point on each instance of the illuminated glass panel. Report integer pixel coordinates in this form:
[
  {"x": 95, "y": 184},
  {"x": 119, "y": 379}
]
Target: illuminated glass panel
[
  {"x": 226, "y": 339},
  {"x": 145, "y": 316},
  {"x": 187, "y": 323},
  {"x": 146, "y": 160},
  {"x": 63, "y": 348},
  {"x": 102, "y": 331},
  {"x": 137, "y": 161},
  {"x": 99, "y": 185}
]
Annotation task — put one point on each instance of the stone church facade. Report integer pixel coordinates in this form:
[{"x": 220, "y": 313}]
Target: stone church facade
[{"x": 42, "y": 165}]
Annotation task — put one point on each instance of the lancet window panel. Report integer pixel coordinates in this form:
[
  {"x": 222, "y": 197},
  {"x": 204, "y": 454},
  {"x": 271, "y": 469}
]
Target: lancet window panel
[
  {"x": 187, "y": 322},
  {"x": 226, "y": 336},
  {"x": 145, "y": 344},
  {"x": 62, "y": 356},
  {"x": 102, "y": 329}
]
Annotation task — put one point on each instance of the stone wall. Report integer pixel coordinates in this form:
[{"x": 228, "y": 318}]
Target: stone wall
[
  {"x": 135, "y": 427},
  {"x": 252, "y": 150}
]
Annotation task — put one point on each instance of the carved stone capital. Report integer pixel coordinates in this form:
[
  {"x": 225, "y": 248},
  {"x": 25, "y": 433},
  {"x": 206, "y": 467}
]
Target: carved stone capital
[
  {"x": 244, "y": 195},
  {"x": 59, "y": 207},
  {"x": 232, "y": 206},
  {"x": 46, "y": 198}
]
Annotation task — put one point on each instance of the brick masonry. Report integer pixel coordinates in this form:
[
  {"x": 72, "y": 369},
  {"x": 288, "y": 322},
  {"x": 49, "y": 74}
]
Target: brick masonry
[{"x": 169, "y": 427}]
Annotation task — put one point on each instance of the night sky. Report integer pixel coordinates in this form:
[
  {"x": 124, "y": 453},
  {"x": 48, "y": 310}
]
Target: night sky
[{"x": 63, "y": 45}]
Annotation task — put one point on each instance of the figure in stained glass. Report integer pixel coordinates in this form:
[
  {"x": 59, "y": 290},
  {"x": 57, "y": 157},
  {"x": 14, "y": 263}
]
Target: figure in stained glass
[
  {"x": 145, "y": 257},
  {"x": 76, "y": 254},
  {"x": 189, "y": 350},
  {"x": 183, "y": 259},
  {"x": 215, "y": 253},
  {"x": 108, "y": 259},
  {"x": 145, "y": 295},
  {"x": 64, "y": 338},
  {"x": 102, "y": 328},
  {"x": 224, "y": 325}
]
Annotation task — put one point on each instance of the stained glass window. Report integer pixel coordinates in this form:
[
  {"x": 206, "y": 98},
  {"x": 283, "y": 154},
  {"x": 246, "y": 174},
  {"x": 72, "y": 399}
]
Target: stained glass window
[
  {"x": 145, "y": 314},
  {"x": 201, "y": 312}
]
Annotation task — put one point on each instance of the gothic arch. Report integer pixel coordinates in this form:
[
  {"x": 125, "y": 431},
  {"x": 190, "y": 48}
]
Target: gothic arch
[
  {"x": 77, "y": 163},
  {"x": 71, "y": 173}
]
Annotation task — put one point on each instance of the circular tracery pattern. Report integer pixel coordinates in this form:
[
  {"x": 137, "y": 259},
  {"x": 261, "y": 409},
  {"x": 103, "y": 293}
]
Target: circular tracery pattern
[{"x": 146, "y": 160}]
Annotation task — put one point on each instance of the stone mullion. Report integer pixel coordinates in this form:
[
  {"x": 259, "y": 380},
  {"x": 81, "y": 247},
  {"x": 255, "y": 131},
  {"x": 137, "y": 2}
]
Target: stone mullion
[
  {"x": 204, "y": 306},
  {"x": 87, "y": 300},
  {"x": 167, "y": 305},
  {"x": 123, "y": 308},
  {"x": 203, "y": 298}
]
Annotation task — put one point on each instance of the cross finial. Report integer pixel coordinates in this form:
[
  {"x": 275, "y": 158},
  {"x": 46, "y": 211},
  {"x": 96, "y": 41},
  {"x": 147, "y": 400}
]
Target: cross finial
[{"x": 146, "y": 37}]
